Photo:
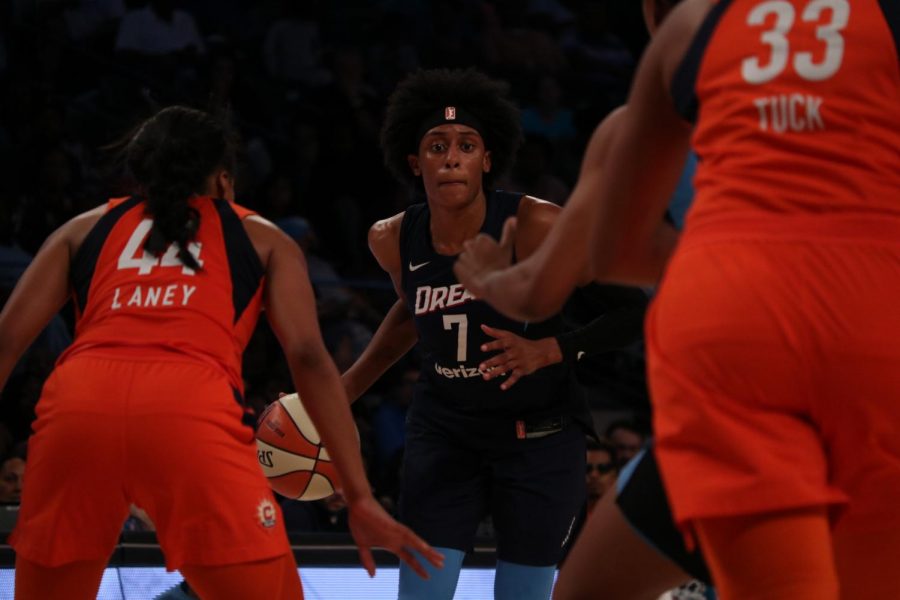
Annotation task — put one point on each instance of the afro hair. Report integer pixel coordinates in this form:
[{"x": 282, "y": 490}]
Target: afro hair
[{"x": 424, "y": 92}]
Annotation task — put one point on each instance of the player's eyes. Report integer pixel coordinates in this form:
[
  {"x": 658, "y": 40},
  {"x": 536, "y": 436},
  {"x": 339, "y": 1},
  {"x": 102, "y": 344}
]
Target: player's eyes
[
  {"x": 467, "y": 147},
  {"x": 437, "y": 147}
]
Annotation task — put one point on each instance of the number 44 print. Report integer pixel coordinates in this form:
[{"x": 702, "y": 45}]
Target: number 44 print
[{"x": 145, "y": 262}]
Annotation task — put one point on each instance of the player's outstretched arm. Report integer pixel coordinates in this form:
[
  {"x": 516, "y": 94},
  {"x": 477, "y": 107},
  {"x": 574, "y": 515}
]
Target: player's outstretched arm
[
  {"x": 41, "y": 292},
  {"x": 291, "y": 311},
  {"x": 396, "y": 334}
]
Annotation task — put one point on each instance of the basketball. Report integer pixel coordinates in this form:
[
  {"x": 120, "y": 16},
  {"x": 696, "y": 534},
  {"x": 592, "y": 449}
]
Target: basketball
[{"x": 291, "y": 453}]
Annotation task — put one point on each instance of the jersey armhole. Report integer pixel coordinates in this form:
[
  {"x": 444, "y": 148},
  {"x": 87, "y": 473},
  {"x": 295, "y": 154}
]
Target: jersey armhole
[
  {"x": 891, "y": 11},
  {"x": 247, "y": 270},
  {"x": 81, "y": 269},
  {"x": 684, "y": 81},
  {"x": 411, "y": 216}
]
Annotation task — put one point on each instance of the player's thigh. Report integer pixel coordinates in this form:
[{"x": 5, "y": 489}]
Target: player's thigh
[
  {"x": 444, "y": 489},
  {"x": 196, "y": 472},
  {"x": 74, "y": 580},
  {"x": 273, "y": 579},
  {"x": 642, "y": 502},
  {"x": 538, "y": 490},
  {"x": 610, "y": 555},
  {"x": 729, "y": 351},
  {"x": 73, "y": 499},
  {"x": 782, "y": 555}
]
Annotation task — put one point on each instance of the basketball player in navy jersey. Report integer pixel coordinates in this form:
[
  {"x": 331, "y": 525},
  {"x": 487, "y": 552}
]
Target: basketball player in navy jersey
[
  {"x": 472, "y": 449},
  {"x": 628, "y": 523}
]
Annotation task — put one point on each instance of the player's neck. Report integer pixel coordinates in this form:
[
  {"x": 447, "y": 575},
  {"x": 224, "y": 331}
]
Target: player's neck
[{"x": 452, "y": 226}]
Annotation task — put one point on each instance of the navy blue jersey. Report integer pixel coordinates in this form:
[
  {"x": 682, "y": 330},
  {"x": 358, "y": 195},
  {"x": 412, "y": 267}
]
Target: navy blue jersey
[{"x": 448, "y": 320}]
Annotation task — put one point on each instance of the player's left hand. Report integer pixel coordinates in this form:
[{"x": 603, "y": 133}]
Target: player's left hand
[
  {"x": 482, "y": 257},
  {"x": 371, "y": 526},
  {"x": 517, "y": 356}
]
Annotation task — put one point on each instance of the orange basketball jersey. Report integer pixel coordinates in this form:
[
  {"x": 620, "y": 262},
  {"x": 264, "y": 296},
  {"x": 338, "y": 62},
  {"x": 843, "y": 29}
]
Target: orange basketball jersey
[
  {"x": 130, "y": 302},
  {"x": 797, "y": 109}
]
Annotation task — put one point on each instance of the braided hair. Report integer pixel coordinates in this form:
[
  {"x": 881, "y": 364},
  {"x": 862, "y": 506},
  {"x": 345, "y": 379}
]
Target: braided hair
[
  {"x": 425, "y": 91},
  {"x": 170, "y": 156}
]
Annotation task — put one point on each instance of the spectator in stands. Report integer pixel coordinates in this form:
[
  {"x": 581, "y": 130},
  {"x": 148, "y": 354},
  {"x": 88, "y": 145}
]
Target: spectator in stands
[
  {"x": 159, "y": 29},
  {"x": 601, "y": 470},
  {"x": 627, "y": 438},
  {"x": 12, "y": 473},
  {"x": 293, "y": 46}
]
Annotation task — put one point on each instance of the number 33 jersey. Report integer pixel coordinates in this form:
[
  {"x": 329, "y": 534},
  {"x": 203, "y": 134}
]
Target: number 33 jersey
[
  {"x": 130, "y": 302},
  {"x": 797, "y": 105},
  {"x": 448, "y": 320}
]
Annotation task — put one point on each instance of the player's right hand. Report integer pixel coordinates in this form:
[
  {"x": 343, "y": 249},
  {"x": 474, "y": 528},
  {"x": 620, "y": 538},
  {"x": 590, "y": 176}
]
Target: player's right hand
[{"x": 371, "y": 526}]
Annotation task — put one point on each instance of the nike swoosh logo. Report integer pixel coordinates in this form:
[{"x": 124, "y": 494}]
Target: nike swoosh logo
[{"x": 413, "y": 267}]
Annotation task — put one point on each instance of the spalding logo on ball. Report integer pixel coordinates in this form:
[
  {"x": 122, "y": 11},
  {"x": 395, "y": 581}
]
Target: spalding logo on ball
[{"x": 291, "y": 453}]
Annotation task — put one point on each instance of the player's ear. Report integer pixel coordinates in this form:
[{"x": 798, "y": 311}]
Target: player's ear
[
  {"x": 413, "y": 161},
  {"x": 224, "y": 185},
  {"x": 486, "y": 162}
]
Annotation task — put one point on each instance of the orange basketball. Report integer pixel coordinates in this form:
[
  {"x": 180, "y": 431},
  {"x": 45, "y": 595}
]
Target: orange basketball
[{"x": 291, "y": 453}]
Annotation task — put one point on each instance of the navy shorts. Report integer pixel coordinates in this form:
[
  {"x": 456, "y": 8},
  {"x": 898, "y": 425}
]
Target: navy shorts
[
  {"x": 458, "y": 470},
  {"x": 642, "y": 499}
]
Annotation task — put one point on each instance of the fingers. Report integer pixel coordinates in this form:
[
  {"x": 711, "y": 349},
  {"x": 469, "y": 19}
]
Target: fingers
[
  {"x": 512, "y": 379},
  {"x": 421, "y": 546},
  {"x": 500, "y": 363},
  {"x": 365, "y": 557},
  {"x": 414, "y": 542},
  {"x": 410, "y": 559},
  {"x": 493, "y": 332}
]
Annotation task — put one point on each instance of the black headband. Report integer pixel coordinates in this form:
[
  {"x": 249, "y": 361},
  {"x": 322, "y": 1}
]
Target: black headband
[{"x": 444, "y": 115}]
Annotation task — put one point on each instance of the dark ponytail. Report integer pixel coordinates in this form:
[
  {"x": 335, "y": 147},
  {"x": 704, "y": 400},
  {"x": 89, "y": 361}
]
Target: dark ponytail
[{"x": 170, "y": 156}]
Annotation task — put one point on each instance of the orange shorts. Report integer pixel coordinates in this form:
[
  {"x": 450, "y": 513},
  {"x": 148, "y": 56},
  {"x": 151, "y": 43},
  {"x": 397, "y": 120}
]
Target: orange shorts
[
  {"x": 774, "y": 368},
  {"x": 166, "y": 436}
]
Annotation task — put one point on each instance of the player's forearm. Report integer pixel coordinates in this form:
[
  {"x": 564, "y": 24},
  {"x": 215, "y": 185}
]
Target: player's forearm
[
  {"x": 515, "y": 292},
  {"x": 395, "y": 337},
  {"x": 536, "y": 288},
  {"x": 318, "y": 383}
]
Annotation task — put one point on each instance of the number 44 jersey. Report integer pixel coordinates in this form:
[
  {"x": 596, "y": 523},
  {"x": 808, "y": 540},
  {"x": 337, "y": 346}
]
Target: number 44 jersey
[
  {"x": 130, "y": 302},
  {"x": 448, "y": 320}
]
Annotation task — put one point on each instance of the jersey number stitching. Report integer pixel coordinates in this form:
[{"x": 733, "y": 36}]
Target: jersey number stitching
[
  {"x": 461, "y": 335},
  {"x": 755, "y": 72},
  {"x": 144, "y": 263}
]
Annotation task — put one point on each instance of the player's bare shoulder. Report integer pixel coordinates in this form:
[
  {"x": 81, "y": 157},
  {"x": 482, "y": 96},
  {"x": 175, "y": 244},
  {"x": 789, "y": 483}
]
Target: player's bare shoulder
[
  {"x": 76, "y": 229},
  {"x": 534, "y": 219},
  {"x": 267, "y": 238},
  {"x": 384, "y": 242}
]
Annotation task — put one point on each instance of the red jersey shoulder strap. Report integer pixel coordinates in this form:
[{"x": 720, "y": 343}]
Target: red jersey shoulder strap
[{"x": 241, "y": 211}]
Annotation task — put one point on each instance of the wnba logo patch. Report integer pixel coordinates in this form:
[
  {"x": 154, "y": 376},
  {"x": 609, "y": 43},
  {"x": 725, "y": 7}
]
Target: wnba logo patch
[
  {"x": 266, "y": 514},
  {"x": 450, "y": 113}
]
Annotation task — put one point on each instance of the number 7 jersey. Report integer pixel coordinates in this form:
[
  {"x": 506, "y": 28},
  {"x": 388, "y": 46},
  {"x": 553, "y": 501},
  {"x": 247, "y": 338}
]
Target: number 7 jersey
[
  {"x": 129, "y": 302},
  {"x": 797, "y": 109},
  {"x": 448, "y": 321}
]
